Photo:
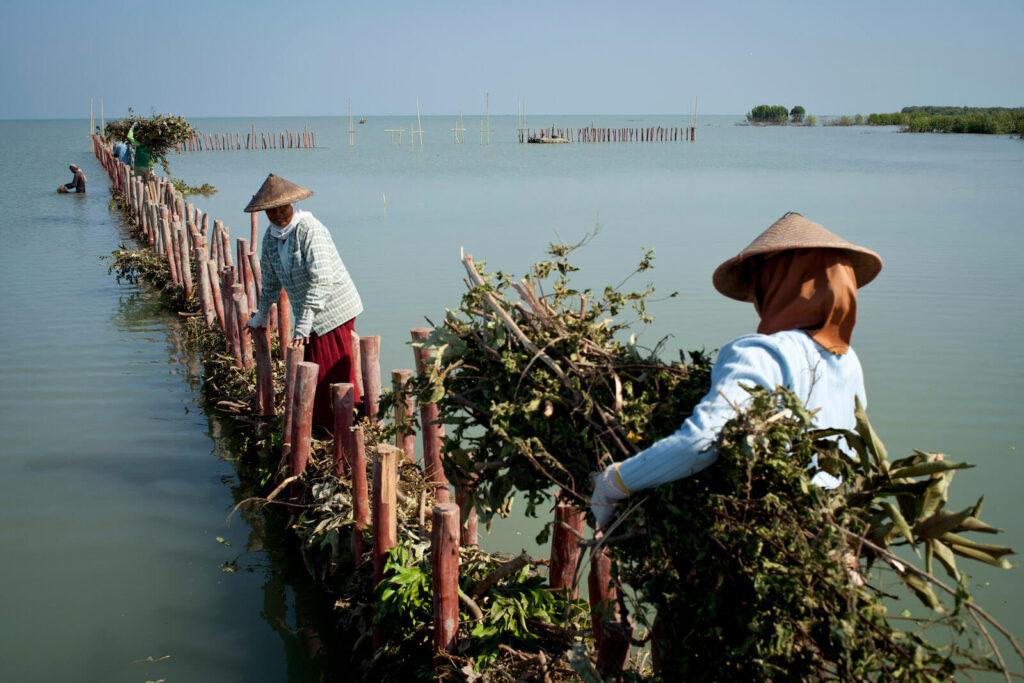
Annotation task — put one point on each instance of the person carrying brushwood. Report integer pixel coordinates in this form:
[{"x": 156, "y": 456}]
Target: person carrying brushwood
[
  {"x": 803, "y": 282},
  {"x": 77, "y": 181},
  {"x": 299, "y": 254},
  {"x": 143, "y": 160}
]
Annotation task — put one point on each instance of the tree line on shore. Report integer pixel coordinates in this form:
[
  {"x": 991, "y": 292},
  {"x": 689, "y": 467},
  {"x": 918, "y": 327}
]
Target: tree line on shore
[{"x": 917, "y": 119}]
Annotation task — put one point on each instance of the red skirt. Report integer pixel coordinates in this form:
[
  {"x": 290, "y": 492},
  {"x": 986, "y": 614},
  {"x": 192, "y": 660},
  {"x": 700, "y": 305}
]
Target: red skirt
[{"x": 333, "y": 353}]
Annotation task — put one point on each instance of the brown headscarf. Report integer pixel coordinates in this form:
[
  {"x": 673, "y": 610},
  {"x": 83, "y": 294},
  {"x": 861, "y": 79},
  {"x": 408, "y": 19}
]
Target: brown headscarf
[{"x": 814, "y": 290}]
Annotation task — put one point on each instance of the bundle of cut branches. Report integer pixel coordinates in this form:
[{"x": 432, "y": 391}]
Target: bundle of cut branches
[{"x": 756, "y": 572}]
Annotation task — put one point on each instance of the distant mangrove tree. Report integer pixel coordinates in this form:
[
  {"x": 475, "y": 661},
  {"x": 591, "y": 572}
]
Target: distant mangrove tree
[{"x": 930, "y": 119}]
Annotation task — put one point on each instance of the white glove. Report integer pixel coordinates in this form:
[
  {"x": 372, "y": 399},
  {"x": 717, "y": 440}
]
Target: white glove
[{"x": 608, "y": 493}]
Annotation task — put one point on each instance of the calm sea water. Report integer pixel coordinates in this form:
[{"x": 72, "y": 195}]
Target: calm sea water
[{"x": 115, "y": 491}]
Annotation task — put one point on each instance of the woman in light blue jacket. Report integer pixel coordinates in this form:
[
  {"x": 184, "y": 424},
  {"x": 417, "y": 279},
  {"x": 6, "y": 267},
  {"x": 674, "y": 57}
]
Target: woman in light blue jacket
[{"x": 803, "y": 282}]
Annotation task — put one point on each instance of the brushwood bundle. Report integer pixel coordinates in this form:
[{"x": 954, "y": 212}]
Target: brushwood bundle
[
  {"x": 159, "y": 132},
  {"x": 746, "y": 571}
]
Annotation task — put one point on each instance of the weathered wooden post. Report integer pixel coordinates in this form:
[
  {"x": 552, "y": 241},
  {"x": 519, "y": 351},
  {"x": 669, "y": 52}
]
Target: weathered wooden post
[
  {"x": 343, "y": 400},
  {"x": 568, "y": 529},
  {"x": 404, "y": 406},
  {"x": 357, "y": 365},
  {"x": 241, "y": 305},
  {"x": 369, "y": 358},
  {"x": 612, "y": 643},
  {"x": 186, "y": 265},
  {"x": 264, "y": 372},
  {"x": 205, "y": 293},
  {"x": 231, "y": 330},
  {"x": 360, "y": 497},
  {"x": 432, "y": 431},
  {"x": 284, "y": 320},
  {"x": 385, "y": 514},
  {"x": 469, "y": 533},
  {"x": 218, "y": 299},
  {"x": 292, "y": 359},
  {"x": 444, "y": 560},
  {"x": 257, "y": 274},
  {"x": 302, "y": 421}
]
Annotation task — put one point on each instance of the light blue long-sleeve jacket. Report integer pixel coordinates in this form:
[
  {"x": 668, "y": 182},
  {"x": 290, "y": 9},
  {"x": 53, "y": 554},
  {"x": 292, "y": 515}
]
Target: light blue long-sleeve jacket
[{"x": 824, "y": 381}]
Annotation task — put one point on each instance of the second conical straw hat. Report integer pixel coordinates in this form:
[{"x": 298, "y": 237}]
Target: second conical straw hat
[
  {"x": 276, "y": 191},
  {"x": 734, "y": 278}
]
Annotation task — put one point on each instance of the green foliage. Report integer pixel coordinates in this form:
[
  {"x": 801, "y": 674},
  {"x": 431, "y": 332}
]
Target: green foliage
[
  {"x": 159, "y": 132},
  {"x": 518, "y": 612},
  {"x": 765, "y": 575},
  {"x": 796, "y": 114},
  {"x": 811, "y": 121},
  {"x": 764, "y": 113},
  {"x": 978, "y": 120},
  {"x": 590, "y": 397},
  {"x": 754, "y": 572},
  {"x": 206, "y": 189}
]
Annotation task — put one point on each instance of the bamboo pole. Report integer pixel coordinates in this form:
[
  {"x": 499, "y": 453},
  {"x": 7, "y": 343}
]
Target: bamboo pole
[
  {"x": 186, "y": 265},
  {"x": 292, "y": 359},
  {"x": 257, "y": 274},
  {"x": 284, "y": 325},
  {"x": 264, "y": 372},
  {"x": 404, "y": 407},
  {"x": 430, "y": 427},
  {"x": 613, "y": 640},
  {"x": 385, "y": 520},
  {"x": 469, "y": 532},
  {"x": 302, "y": 420},
  {"x": 360, "y": 497},
  {"x": 369, "y": 358},
  {"x": 241, "y": 305},
  {"x": 343, "y": 400},
  {"x": 444, "y": 560},
  {"x": 232, "y": 330},
  {"x": 205, "y": 295},
  {"x": 215, "y": 293},
  {"x": 568, "y": 528}
]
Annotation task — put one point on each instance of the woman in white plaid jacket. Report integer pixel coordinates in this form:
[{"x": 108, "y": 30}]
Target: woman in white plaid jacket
[{"x": 299, "y": 255}]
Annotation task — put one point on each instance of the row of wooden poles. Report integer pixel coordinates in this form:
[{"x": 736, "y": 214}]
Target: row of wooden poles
[
  {"x": 228, "y": 290},
  {"x": 592, "y": 134},
  {"x": 223, "y": 142}
]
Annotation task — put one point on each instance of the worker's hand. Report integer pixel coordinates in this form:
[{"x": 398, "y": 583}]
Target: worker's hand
[
  {"x": 297, "y": 343},
  {"x": 606, "y": 496}
]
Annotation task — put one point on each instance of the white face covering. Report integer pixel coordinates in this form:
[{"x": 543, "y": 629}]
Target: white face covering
[{"x": 282, "y": 233}]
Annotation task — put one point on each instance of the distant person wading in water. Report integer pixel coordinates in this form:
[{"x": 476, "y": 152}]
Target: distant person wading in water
[
  {"x": 299, "y": 254},
  {"x": 77, "y": 182}
]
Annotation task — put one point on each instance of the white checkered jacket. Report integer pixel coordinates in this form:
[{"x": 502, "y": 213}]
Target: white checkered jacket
[{"x": 320, "y": 290}]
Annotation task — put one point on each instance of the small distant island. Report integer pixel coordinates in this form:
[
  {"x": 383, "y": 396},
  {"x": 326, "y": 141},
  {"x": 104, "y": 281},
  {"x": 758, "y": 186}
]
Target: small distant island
[
  {"x": 918, "y": 119},
  {"x": 777, "y": 115}
]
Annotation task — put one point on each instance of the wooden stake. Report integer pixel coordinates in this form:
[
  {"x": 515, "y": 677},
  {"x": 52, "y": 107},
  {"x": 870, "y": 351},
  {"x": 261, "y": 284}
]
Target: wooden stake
[
  {"x": 264, "y": 372},
  {"x": 444, "y": 560},
  {"x": 292, "y": 359},
  {"x": 342, "y": 399},
  {"x": 385, "y": 509},
  {"x": 568, "y": 529},
  {"x": 612, "y": 643},
  {"x": 369, "y": 358},
  {"x": 302, "y": 420},
  {"x": 360, "y": 498},
  {"x": 430, "y": 427},
  {"x": 404, "y": 407}
]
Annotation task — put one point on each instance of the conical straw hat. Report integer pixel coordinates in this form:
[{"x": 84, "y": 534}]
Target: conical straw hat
[
  {"x": 276, "y": 191},
  {"x": 734, "y": 277}
]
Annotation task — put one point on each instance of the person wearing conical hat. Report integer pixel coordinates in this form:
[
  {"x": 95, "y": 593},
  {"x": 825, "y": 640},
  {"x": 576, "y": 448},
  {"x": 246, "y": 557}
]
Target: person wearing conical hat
[
  {"x": 298, "y": 254},
  {"x": 803, "y": 282}
]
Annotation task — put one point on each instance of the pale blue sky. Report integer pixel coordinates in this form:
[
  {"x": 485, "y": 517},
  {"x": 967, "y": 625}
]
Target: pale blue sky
[{"x": 259, "y": 58}]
